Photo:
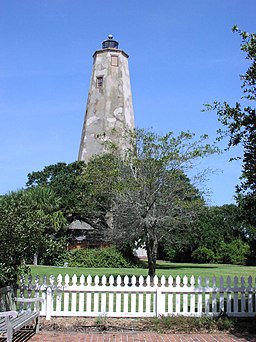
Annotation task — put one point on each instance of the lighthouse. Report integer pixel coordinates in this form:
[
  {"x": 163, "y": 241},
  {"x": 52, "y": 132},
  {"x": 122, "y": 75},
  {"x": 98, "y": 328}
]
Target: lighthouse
[{"x": 109, "y": 110}]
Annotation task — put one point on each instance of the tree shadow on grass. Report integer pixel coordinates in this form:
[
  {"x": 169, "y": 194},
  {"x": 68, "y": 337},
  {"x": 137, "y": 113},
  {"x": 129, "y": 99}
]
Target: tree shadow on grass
[{"x": 180, "y": 267}]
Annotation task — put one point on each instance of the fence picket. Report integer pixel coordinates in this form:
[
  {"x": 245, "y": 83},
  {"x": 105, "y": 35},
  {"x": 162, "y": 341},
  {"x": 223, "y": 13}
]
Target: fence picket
[
  {"x": 200, "y": 296},
  {"x": 250, "y": 295},
  {"x": 207, "y": 295},
  {"x": 229, "y": 296},
  {"x": 29, "y": 292},
  {"x": 59, "y": 294},
  {"x": 236, "y": 295},
  {"x": 192, "y": 295},
  {"x": 222, "y": 308},
  {"x": 73, "y": 295},
  {"x": 170, "y": 295},
  {"x": 81, "y": 294},
  {"x": 140, "y": 296},
  {"x": 111, "y": 281},
  {"x": 243, "y": 304},
  {"x": 185, "y": 295},
  {"x": 178, "y": 287},
  {"x": 36, "y": 287},
  {"x": 43, "y": 289}
]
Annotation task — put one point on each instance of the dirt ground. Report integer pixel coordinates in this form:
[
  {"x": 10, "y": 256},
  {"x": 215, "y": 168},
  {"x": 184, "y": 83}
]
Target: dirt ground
[
  {"x": 167, "y": 325},
  {"x": 81, "y": 324}
]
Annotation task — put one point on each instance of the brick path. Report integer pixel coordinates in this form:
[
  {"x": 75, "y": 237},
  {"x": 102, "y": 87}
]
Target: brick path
[
  {"x": 52, "y": 336},
  {"x": 135, "y": 337}
]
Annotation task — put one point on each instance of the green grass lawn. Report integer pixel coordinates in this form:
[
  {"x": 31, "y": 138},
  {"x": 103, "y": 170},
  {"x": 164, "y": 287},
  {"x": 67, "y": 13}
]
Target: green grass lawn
[{"x": 163, "y": 268}]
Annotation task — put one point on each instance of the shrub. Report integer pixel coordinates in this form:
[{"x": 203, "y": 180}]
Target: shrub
[
  {"x": 170, "y": 254},
  {"x": 181, "y": 324},
  {"x": 235, "y": 252},
  {"x": 54, "y": 252},
  {"x": 97, "y": 257},
  {"x": 203, "y": 255},
  {"x": 9, "y": 275}
]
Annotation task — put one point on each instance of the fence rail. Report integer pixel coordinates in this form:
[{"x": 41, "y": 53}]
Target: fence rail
[{"x": 142, "y": 297}]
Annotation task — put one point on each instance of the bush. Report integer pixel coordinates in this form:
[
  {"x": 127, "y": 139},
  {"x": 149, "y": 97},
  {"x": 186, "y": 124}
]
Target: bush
[
  {"x": 181, "y": 324},
  {"x": 203, "y": 255},
  {"x": 100, "y": 257},
  {"x": 235, "y": 252},
  {"x": 170, "y": 254},
  {"x": 9, "y": 275},
  {"x": 54, "y": 252}
]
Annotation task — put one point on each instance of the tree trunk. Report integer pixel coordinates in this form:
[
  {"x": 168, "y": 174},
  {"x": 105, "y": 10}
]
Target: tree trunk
[
  {"x": 151, "y": 246},
  {"x": 35, "y": 259}
]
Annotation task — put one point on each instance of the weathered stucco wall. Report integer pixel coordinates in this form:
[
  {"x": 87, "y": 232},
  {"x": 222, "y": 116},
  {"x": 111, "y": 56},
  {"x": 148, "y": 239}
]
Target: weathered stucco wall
[{"x": 109, "y": 110}]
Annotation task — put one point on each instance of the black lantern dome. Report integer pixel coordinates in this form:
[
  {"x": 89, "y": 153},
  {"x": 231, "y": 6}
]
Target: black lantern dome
[{"x": 110, "y": 43}]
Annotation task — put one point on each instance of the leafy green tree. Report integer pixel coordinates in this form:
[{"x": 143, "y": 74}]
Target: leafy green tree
[
  {"x": 235, "y": 252},
  {"x": 100, "y": 182},
  {"x": 239, "y": 122},
  {"x": 26, "y": 217},
  {"x": 83, "y": 194},
  {"x": 221, "y": 230},
  {"x": 155, "y": 197},
  {"x": 64, "y": 180},
  {"x": 216, "y": 224}
]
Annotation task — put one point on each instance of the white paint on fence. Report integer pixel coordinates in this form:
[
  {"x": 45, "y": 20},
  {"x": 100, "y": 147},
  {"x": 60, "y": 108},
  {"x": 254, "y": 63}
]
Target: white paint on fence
[{"x": 141, "y": 297}]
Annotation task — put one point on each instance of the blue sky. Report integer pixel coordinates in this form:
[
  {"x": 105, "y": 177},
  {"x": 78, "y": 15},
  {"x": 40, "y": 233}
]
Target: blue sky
[{"x": 182, "y": 54}]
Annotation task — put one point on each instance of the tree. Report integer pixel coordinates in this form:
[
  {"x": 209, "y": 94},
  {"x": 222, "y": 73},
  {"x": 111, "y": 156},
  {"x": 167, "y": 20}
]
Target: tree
[
  {"x": 154, "y": 196},
  {"x": 26, "y": 217},
  {"x": 64, "y": 180},
  {"x": 214, "y": 224},
  {"x": 239, "y": 123},
  {"x": 83, "y": 195},
  {"x": 220, "y": 229},
  {"x": 144, "y": 196}
]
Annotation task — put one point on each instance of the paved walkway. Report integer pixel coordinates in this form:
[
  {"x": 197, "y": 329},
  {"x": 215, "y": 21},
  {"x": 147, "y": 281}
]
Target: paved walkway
[
  {"x": 52, "y": 336},
  {"x": 135, "y": 337}
]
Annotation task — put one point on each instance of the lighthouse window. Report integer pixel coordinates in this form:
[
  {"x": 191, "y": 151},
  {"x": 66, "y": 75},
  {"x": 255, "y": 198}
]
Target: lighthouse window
[
  {"x": 99, "y": 82},
  {"x": 114, "y": 60}
]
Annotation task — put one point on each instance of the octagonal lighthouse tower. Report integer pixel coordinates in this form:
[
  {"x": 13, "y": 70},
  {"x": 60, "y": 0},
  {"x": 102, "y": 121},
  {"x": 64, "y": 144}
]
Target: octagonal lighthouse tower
[{"x": 109, "y": 110}]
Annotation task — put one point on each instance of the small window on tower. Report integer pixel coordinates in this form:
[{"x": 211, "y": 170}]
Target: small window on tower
[
  {"x": 99, "y": 82},
  {"x": 114, "y": 60}
]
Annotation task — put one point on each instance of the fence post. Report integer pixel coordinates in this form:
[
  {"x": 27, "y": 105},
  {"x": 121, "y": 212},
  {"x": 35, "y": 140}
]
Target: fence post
[{"x": 48, "y": 303}]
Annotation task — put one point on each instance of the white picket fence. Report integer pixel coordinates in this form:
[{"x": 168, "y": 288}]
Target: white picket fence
[{"x": 140, "y": 297}]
